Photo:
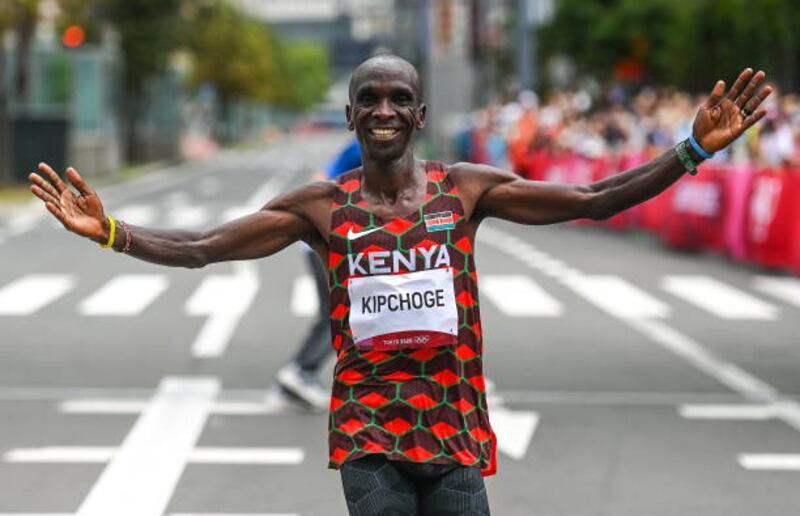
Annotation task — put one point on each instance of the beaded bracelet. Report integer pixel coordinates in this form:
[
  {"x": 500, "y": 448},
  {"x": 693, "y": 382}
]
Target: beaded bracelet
[{"x": 683, "y": 156}]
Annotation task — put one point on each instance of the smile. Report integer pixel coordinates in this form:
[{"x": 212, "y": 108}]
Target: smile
[{"x": 382, "y": 133}]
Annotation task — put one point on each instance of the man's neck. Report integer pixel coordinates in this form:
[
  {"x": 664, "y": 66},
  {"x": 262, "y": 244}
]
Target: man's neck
[{"x": 389, "y": 180}]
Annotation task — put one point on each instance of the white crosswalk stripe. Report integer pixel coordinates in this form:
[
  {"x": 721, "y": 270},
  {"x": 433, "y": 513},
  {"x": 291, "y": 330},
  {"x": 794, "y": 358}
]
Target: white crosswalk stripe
[
  {"x": 719, "y": 298},
  {"x": 519, "y": 296},
  {"x": 785, "y": 289},
  {"x": 127, "y": 294},
  {"x": 618, "y": 297},
  {"x": 183, "y": 216},
  {"x": 137, "y": 214},
  {"x": 31, "y": 293},
  {"x": 304, "y": 297}
]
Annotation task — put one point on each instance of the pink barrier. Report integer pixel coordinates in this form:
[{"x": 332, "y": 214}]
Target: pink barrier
[
  {"x": 694, "y": 217},
  {"x": 770, "y": 224},
  {"x": 749, "y": 214}
]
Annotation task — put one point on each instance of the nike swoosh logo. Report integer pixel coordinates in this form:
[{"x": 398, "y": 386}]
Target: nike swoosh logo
[{"x": 351, "y": 235}]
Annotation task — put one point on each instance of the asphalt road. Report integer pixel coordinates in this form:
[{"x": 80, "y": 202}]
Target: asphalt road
[{"x": 629, "y": 380}]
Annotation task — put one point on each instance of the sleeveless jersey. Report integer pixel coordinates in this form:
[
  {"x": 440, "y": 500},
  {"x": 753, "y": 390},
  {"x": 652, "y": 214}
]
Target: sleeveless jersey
[{"x": 405, "y": 323}]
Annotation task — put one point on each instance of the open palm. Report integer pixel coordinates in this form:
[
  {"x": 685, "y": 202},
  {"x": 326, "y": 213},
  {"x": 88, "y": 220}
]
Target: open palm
[
  {"x": 81, "y": 213},
  {"x": 725, "y": 116}
]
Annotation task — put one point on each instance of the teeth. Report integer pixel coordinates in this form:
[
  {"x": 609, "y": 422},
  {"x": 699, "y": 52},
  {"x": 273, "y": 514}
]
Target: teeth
[{"x": 383, "y": 132}]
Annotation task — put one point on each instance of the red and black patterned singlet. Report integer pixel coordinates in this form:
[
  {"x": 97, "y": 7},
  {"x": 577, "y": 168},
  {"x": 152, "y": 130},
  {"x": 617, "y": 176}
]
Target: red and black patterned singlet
[{"x": 415, "y": 391}]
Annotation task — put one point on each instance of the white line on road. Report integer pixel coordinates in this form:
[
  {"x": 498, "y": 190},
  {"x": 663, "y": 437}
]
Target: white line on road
[
  {"x": 126, "y": 294},
  {"x": 103, "y": 454},
  {"x": 225, "y": 300},
  {"x": 770, "y": 461},
  {"x": 131, "y": 406},
  {"x": 30, "y": 293},
  {"x": 137, "y": 214},
  {"x": 726, "y": 373},
  {"x": 719, "y": 298},
  {"x": 144, "y": 471},
  {"x": 728, "y": 411},
  {"x": 519, "y": 296},
  {"x": 304, "y": 297},
  {"x": 259, "y": 198},
  {"x": 785, "y": 289},
  {"x": 617, "y": 296},
  {"x": 183, "y": 216}
]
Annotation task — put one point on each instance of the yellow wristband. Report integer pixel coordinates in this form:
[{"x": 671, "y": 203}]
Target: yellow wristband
[{"x": 112, "y": 232}]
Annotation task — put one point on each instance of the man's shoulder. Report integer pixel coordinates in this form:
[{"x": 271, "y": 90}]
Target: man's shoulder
[
  {"x": 477, "y": 175},
  {"x": 306, "y": 196}
]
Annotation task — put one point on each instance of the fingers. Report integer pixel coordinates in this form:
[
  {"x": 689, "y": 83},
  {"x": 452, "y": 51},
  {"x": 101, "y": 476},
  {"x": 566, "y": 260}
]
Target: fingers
[
  {"x": 716, "y": 95},
  {"x": 751, "y": 88},
  {"x": 57, "y": 213},
  {"x": 756, "y": 101},
  {"x": 52, "y": 177},
  {"x": 740, "y": 83},
  {"x": 76, "y": 179},
  {"x": 752, "y": 119},
  {"x": 43, "y": 195},
  {"x": 43, "y": 184}
]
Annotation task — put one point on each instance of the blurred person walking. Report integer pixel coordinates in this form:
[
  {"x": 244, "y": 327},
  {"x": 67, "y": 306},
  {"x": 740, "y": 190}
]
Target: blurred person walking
[
  {"x": 409, "y": 426},
  {"x": 300, "y": 376}
]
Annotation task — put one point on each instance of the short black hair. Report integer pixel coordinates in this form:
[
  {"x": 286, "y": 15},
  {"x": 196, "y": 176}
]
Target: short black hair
[{"x": 416, "y": 82}]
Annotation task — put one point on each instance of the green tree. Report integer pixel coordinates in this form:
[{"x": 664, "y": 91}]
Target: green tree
[
  {"x": 149, "y": 31},
  {"x": 686, "y": 43},
  {"x": 309, "y": 74},
  {"x": 240, "y": 57}
]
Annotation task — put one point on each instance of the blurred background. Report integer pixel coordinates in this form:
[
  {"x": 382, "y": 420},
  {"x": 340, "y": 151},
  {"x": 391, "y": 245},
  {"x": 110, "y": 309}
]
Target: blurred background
[{"x": 646, "y": 365}]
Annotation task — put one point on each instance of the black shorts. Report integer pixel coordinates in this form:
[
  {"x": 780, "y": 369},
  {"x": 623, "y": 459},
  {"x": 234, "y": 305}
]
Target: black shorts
[{"x": 376, "y": 486}]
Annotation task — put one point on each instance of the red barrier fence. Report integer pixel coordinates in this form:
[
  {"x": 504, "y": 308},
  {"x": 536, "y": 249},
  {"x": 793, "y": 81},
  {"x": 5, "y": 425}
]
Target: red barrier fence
[{"x": 750, "y": 214}]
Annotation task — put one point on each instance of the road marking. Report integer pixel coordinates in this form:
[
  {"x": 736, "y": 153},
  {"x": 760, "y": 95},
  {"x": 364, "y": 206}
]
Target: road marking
[
  {"x": 126, "y": 294},
  {"x": 31, "y": 293},
  {"x": 726, "y": 373},
  {"x": 728, "y": 411},
  {"x": 130, "y": 406},
  {"x": 617, "y": 296},
  {"x": 103, "y": 454},
  {"x": 259, "y": 198},
  {"x": 305, "y": 302},
  {"x": 514, "y": 428},
  {"x": 785, "y": 289},
  {"x": 770, "y": 461},
  {"x": 144, "y": 471},
  {"x": 183, "y": 216},
  {"x": 137, "y": 214},
  {"x": 519, "y": 296},
  {"x": 225, "y": 300},
  {"x": 719, "y": 298}
]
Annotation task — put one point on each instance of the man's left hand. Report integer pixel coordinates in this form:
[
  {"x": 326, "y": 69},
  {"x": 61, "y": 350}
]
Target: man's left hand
[{"x": 725, "y": 116}]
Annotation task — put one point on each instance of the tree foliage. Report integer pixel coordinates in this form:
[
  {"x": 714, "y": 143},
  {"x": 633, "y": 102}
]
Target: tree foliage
[
  {"x": 244, "y": 59},
  {"x": 686, "y": 43},
  {"x": 308, "y": 72},
  {"x": 240, "y": 57}
]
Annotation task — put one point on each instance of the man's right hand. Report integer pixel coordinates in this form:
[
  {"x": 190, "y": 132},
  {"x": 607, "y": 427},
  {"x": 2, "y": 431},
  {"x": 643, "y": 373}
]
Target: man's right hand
[{"x": 80, "y": 213}]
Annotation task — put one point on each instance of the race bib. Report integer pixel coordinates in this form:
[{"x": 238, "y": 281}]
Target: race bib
[{"x": 396, "y": 311}]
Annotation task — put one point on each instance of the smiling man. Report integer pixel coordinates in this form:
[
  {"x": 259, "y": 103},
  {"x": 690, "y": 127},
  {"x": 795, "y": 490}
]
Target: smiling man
[{"x": 409, "y": 427}]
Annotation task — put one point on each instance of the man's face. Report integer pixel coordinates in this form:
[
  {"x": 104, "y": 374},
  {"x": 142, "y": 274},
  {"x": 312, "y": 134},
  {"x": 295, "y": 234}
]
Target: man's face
[{"x": 385, "y": 110}]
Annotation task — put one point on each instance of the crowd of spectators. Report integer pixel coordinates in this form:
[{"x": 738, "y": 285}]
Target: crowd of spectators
[{"x": 517, "y": 133}]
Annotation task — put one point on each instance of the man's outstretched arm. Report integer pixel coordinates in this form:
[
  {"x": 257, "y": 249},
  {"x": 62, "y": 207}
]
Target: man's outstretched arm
[
  {"x": 281, "y": 222},
  {"x": 720, "y": 120}
]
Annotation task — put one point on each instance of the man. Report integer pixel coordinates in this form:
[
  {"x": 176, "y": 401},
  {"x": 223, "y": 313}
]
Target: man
[
  {"x": 299, "y": 376},
  {"x": 408, "y": 427}
]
